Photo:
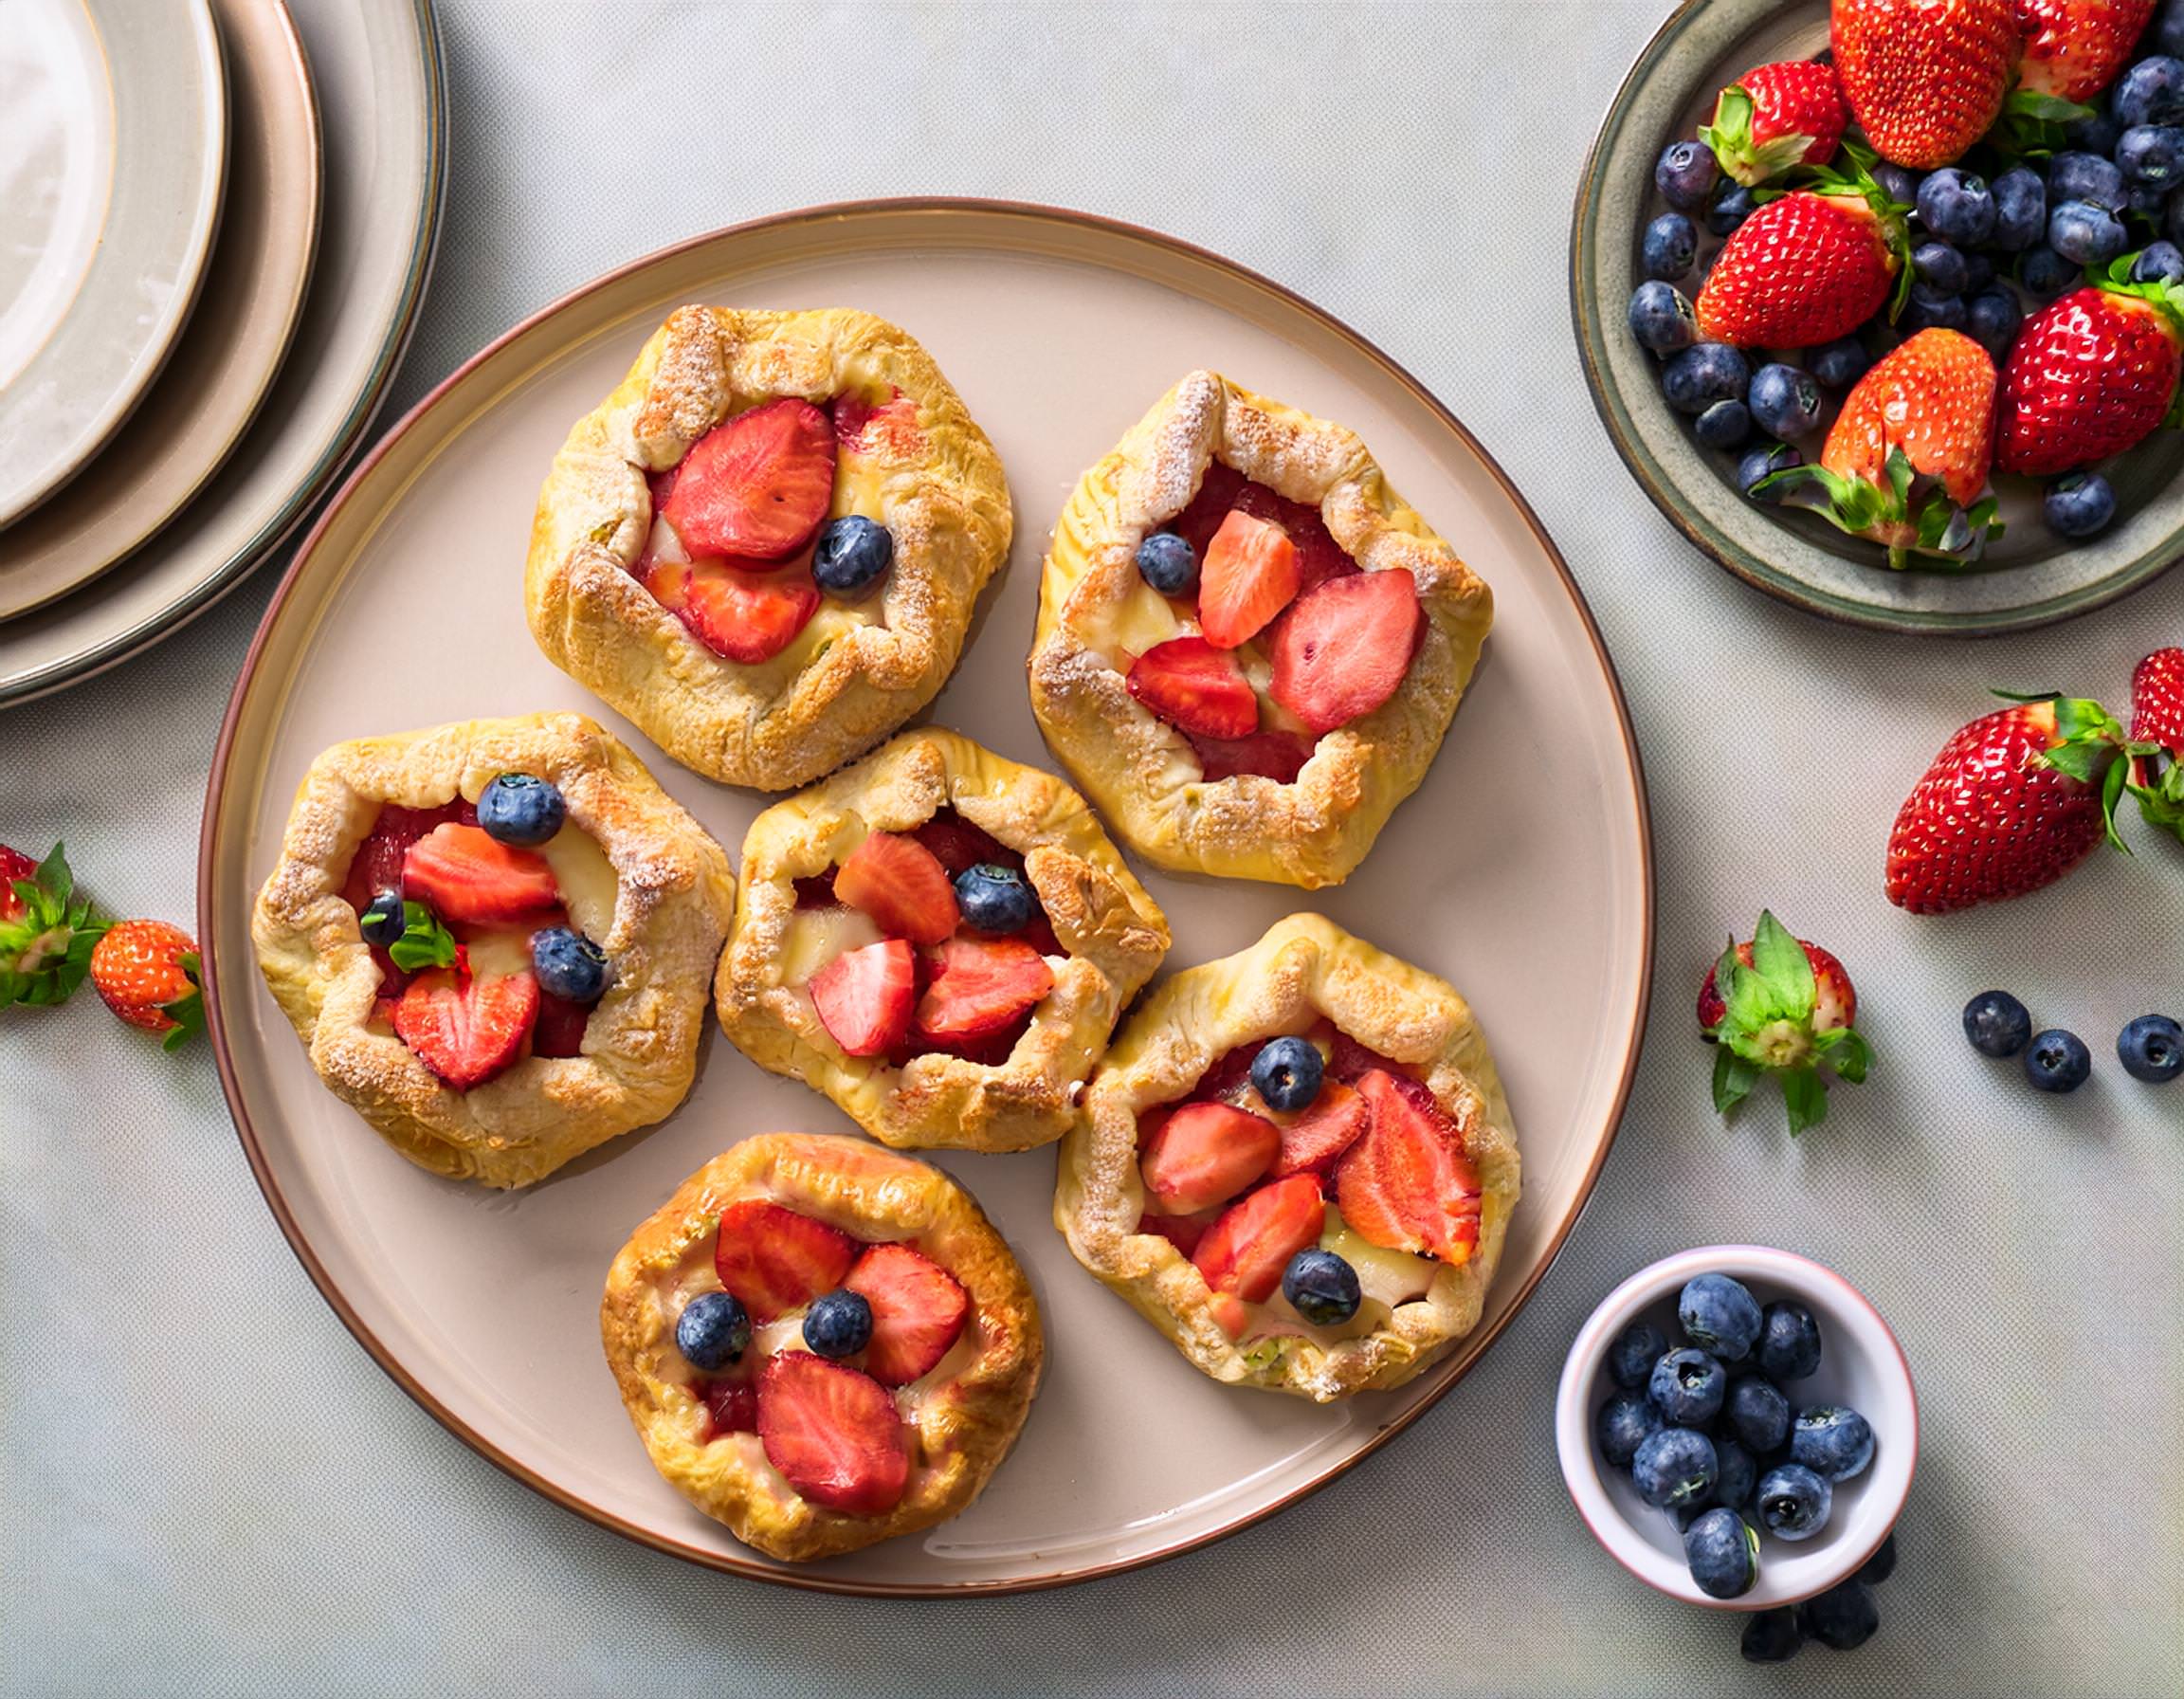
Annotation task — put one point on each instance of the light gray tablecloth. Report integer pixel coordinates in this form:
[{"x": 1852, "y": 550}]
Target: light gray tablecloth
[{"x": 206, "y": 1486}]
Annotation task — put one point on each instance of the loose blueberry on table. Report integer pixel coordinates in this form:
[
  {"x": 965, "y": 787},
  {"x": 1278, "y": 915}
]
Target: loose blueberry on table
[
  {"x": 1254, "y": 634},
  {"x": 465, "y": 913},
  {"x": 2152, "y": 1048},
  {"x": 2057, "y": 1061},
  {"x": 1312, "y": 1182},
  {"x": 808, "y": 1342}
]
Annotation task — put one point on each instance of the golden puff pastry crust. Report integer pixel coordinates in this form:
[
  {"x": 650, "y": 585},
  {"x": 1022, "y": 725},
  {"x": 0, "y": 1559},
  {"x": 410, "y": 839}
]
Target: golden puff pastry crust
[
  {"x": 1114, "y": 933},
  {"x": 961, "y": 1419},
  {"x": 1303, "y": 970},
  {"x": 859, "y": 669},
  {"x": 1142, "y": 774},
  {"x": 672, "y": 893}
]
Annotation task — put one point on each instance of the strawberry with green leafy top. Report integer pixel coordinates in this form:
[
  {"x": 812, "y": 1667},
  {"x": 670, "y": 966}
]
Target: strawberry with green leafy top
[
  {"x": 1779, "y": 1006},
  {"x": 1775, "y": 117},
  {"x": 2157, "y": 739},
  {"x": 1810, "y": 266},
  {"x": 2091, "y": 374},
  {"x": 46, "y": 935},
  {"x": 147, "y": 972}
]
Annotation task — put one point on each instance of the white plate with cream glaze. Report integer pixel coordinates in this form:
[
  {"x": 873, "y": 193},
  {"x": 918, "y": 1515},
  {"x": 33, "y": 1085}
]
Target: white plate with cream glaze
[
  {"x": 1521, "y": 870},
  {"x": 247, "y": 312},
  {"x": 112, "y": 158},
  {"x": 375, "y": 71}
]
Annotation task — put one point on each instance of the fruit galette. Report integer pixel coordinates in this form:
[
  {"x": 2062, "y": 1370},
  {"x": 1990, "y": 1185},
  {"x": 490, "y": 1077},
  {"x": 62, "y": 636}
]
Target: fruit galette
[
  {"x": 765, "y": 545},
  {"x": 1248, "y": 646},
  {"x": 1297, "y": 1162},
  {"x": 494, "y": 937},
  {"x": 938, "y": 940},
  {"x": 822, "y": 1344}
]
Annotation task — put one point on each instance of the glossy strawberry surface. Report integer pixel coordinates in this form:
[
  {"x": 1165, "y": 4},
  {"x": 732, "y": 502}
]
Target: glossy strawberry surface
[
  {"x": 1924, "y": 78},
  {"x": 2090, "y": 374},
  {"x": 1800, "y": 272}
]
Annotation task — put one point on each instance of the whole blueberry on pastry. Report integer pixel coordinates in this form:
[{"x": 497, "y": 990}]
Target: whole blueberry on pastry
[
  {"x": 1220, "y": 1214},
  {"x": 1262, "y": 718},
  {"x": 491, "y": 1007},
  {"x": 894, "y": 1344},
  {"x": 764, "y": 547},
  {"x": 938, "y": 940}
]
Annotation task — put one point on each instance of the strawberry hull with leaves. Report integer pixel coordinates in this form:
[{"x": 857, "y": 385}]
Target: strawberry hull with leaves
[
  {"x": 1776, "y": 1005},
  {"x": 1776, "y": 118}
]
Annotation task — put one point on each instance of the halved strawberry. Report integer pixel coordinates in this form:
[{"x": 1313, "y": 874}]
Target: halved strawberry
[
  {"x": 865, "y": 997},
  {"x": 1195, "y": 687},
  {"x": 467, "y": 1030},
  {"x": 979, "y": 986},
  {"x": 1248, "y": 575},
  {"x": 891, "y": 426},
  {"x": 1250, "y": 1243},
  {"x": 741, "y": 616},
  {"x": 559, "y": 1029},
  {"x": 733, "y": 1405},
  {"x": 957, "y": 844},
  {"x": 1275, "y": 755},
  {"x": 1183, "y": 1232},
  {"x": 1407, "y": 1185},
  {"x": 917, "y": 1312},
  {"x": 775, "y": 1260},
  {"x": 1204, "y": 1154},
  {"x": 1223, "y": 488},
  {"x": 833, "y": 1433},
  {"x": 1342, "y": 650},
  {"x": 1312, "y": 1143},
  {"x": 759, "y": 485},
  {"x": 902, "y": 884},
  {"x": 377, "y": 864},
  {"x": 470, "y": 878}
]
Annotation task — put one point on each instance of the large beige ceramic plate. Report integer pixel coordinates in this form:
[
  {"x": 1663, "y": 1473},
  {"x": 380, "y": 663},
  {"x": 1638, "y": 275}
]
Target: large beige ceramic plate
[
  {"x": 375, "y": 69},
  {"x": 113, "y": 155},
  {"x": 245, "y": 314},
  {"x": 1520, "y": 870}
]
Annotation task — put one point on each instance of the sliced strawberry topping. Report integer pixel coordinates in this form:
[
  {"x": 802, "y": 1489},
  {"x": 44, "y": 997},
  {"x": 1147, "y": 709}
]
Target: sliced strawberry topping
[
  {"x": 891, "y": 426},
  {"x": 1248, "y": 575},
  {"x": 1250, "y": 1243},
  {"x": 1183, "y": 1232},
  {"x": 1350, "y": 1061},
  {"x": 1312, "y": 1143},
  {"x": 917, "y": 1312},
  {"x": 472, "y": 879},
  {"x": 1278, "y": 756},
  {"x": 1340, "y": 651},
  {"x": 741, "y": 616},
  {"x": 957, "y": 844},
  {"x": 377, "y": 864},
  {"x": 559, "y": 1029},
  {"x": 865, "y": 997},
  {"x": 1407, "y": 1185},
  {"x": 1319, "y": 556},
  {"x": 980, "y": 986},
  {"x": 901, "y": 885},
  {"x": 732, "y": 1404},
  {"x": 1195, "y": 687},
  {"x": 833, "y": 1433},
  {"x": 1204, "y": 1154},
  {"x": 467, "y": 1030},
  {"x": 777, "y": 1260},
  {"x": 757, "y": 486}
]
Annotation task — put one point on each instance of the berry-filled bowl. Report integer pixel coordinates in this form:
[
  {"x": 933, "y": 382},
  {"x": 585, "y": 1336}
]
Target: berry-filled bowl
[
  {"x": 2091, "y": 524},
  {"x": 1750, "y": 1374}
]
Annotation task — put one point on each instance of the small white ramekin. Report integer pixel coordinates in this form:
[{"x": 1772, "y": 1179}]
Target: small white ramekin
[{"x": 1861, "y": 1365}]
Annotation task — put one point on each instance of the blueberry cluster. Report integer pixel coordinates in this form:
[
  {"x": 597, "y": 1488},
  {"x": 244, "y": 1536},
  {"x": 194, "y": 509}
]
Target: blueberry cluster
[
  {"x": 2150, "y": 1048},
  {"x": 1725, "y": 1454},
  {"x": 1981, "y": 246}
]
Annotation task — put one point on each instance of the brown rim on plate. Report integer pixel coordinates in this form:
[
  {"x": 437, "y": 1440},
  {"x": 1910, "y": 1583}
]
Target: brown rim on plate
[{"x": 815, "y": 219}]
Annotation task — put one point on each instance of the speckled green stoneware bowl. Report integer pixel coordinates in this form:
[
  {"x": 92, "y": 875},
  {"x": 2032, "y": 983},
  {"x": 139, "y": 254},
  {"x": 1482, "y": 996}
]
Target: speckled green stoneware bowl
[{"x": 2030, "y": 576}]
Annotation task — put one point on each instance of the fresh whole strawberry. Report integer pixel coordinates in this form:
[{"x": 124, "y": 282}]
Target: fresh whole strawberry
[
  {"x": 147, "y": 972},
  {"x": 1925, "y": 78},
  {"x": 1776, "y": 117},
  {"x": 1780, "y": 1006},
  {"x": 46, "y": 932},
  {"x": 1906, "y": 460},
  {"x": 2012, "y": 803},
  {"x": 2090, "y": 374},
  {"x": 2073, "y": 48},
  {"x": 2157, "y": 739},
  {"x": 1808, "y": 267}
]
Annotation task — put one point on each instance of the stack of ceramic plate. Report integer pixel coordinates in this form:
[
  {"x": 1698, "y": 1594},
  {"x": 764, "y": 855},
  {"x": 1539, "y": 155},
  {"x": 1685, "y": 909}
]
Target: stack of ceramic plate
[{"x": 218, "y": 216}]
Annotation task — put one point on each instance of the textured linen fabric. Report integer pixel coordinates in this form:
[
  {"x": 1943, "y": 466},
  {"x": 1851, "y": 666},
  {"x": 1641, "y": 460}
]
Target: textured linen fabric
[{"x": 207, "y": 1487}]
